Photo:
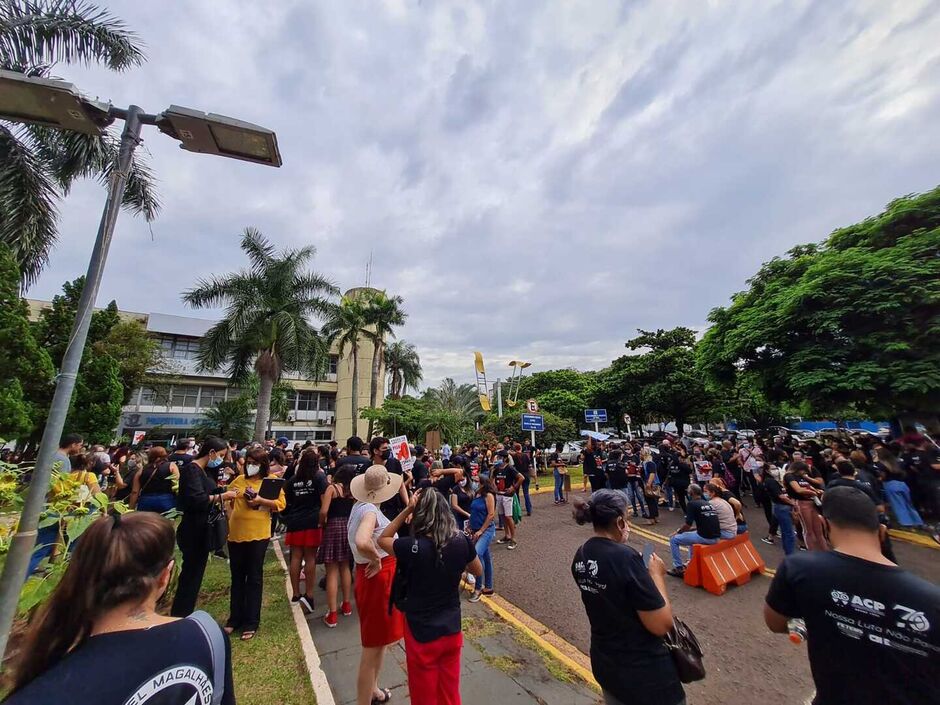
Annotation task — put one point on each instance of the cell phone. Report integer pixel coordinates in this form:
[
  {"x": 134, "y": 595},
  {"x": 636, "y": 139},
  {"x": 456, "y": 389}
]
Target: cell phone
[{"x": 647, "y": 554}]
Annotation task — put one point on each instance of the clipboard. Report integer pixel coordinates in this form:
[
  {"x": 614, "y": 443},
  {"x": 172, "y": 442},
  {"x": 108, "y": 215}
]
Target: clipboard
[{"x": 271, "y": 488}]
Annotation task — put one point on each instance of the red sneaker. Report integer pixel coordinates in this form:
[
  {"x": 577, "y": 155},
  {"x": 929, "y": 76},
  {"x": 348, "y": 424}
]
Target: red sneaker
[
  {"x": 330, "y": 619},
  {"x": 346, "y": 609}
]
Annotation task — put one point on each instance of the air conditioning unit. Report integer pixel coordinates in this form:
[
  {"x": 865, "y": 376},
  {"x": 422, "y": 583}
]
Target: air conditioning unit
[{"x": 291, "y": 417}]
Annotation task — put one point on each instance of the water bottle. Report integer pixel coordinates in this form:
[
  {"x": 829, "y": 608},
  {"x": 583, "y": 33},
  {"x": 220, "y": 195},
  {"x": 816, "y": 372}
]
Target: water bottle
[{"x": 796, "y": 629}]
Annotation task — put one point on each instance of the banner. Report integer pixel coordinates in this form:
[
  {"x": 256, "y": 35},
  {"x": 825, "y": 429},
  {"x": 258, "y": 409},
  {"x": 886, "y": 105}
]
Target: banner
[
  {"x": 138, "y": 437},
  {"x": 401, "y": 451}
]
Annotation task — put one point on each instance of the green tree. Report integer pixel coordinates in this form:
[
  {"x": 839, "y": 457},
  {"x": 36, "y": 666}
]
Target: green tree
[
  {"x": 346, "y": 324},
  {"x": 849, "y": 324},
  {"x": 453, "y": 409},
  {"x": 227, "y": 419},
  {"x": 383, "y": 313},
  {"x": 26, "y": 371},
  {"x": 406, "y": 416},
  {"x": 403, "y": 367},
  {"x": 564, "y": 403},
  {"x": 557, "y": 429},
  {"x": 54, "y": 327},
  {"x": 38, "y": 164},
  {"x": 135, "y": 351},
  {"x": 266, "y": 324},
  {"x": 535, "y": 385},
  {"x": 662, "y": 382},
  {"x": 96, "y": 403}
]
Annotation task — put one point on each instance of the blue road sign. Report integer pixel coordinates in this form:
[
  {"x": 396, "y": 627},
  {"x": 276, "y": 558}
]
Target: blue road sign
[
  {"x": 533, "y": 422},
  {"x": 595, "y": 415}
]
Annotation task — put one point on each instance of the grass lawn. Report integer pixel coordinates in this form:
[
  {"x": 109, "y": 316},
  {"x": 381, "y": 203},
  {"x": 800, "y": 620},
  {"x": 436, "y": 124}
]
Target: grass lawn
[
  {"x": 575, "y": 472},
  {"x": 270, "y": 668}
]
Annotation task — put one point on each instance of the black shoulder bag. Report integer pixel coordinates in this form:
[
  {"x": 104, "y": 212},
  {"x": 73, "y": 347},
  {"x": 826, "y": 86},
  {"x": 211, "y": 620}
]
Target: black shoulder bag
[
  {"x": 398, "y": 596},
  {"x": 216, "y": 525},
  {"x": 686, "y": 652}
]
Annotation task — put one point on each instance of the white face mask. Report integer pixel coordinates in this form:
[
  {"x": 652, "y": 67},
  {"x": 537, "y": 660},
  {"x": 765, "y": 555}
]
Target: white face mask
[
  {"x": 252, "y": 470},
  {"x": 463, "y": 483}
]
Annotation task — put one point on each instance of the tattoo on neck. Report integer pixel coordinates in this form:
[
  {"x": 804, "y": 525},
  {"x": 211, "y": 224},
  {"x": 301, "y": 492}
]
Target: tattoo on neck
[{"x": 139, "y": 616}]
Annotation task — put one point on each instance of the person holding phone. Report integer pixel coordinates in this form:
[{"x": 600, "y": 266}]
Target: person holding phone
[
  {"x": 249, "y": 532},
  {"x": 628, "y": 608}
]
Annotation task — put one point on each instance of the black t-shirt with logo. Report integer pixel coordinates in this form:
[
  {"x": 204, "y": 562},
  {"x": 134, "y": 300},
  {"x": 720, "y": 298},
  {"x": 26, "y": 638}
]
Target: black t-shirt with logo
[
  {"x": 169, "y": 664},
  {"x": 591, "y": 466},
  {"x": 702, "y": 515},
  {"x": 801, "y": 481},
  {"x": 433, "y": 584},
  {"x": 303, "y": 502},
  {"x": 616, "y": 472},
  {"x": 505, "y": 477},
  {"x": 626, "y": 659},
  {"x": 873, "y": 631}
]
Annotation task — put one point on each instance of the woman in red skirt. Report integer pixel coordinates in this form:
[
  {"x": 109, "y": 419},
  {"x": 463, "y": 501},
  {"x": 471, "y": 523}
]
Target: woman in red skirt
[
  {"x": 302, "y": 519},
  {"x": 435, "y": 557},
  {"x": 375, "y": 569}
]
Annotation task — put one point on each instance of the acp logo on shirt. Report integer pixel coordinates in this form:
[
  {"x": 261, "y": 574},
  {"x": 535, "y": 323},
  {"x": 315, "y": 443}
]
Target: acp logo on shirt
[{"x": 860, "y": 604}]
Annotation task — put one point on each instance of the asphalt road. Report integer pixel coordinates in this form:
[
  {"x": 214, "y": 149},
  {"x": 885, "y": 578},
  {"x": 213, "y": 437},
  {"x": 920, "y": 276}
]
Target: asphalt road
[{"x": 745, "y": 662}]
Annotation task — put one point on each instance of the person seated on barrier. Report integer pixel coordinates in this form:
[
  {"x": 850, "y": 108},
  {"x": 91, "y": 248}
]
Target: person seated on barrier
[
  {"x": 727, "y": 523},
  {"x": 702, "y": 515}
]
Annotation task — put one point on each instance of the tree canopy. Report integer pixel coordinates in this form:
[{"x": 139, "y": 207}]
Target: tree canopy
[{"x": 851, "y": 323}]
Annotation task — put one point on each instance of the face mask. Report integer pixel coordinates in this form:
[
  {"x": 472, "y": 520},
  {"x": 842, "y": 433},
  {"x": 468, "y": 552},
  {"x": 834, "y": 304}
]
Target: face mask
[
  {"x": 463, "y": 483},
  {"x": 252, "y": 470},
  {"x": 214, "y": 463},
  {"x": 706, "y": 495},
  {"x": 386, "y": 455}
]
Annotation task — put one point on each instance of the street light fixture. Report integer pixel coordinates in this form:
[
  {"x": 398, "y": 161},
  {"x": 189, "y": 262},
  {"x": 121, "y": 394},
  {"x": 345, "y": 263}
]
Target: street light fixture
[{"x": 60, "y": 105}]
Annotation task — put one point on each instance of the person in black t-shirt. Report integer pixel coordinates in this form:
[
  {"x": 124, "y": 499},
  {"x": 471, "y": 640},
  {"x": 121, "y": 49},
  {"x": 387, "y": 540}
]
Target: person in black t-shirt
[
  {"x": 507, "y": 480},
  {"x": 523, "y": 463},
  {"x": 431, "y": 561},
  {"x": 627, "y": 606},
  {"x": 873, "y": 630},
  {"x": 616, "y": 471},
  {"x": 593, "y": 472},
  {"x": 304, "y": 493},
  {"x": 102, "y": 620},
  {"x": 701, "y": 515},
  {"x": 381, "y": 451},
  {"x": 419, "y": 471},
  {"x": 354, "y": 457}
]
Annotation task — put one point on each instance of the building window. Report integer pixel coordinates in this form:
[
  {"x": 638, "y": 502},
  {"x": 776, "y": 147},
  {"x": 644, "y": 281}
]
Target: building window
[
  {"x": 322, "y": 435},
  {"x": 179, "y": 348},
  {"x": 183, "y": 397},
  {"x": 334, "y": 364},
  {"x": 327, "y": 402},
  {"x": 148, "y": 396},
  {"x": 307, "y": 401},
  {"x": 210, "y": 396}
]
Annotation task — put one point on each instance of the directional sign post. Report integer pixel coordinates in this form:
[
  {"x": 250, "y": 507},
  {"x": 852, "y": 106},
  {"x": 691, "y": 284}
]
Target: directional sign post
[
  {"x": 595, "y": 416},
  {"x": 533, "y": 422}
]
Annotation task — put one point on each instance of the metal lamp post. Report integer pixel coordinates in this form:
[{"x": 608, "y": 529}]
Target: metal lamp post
[{"x": 59, "y": 105}]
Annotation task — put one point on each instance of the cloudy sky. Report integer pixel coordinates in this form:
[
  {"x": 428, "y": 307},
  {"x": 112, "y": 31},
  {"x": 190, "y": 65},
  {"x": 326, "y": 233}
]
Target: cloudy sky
[{"x": 537, "y": 179}]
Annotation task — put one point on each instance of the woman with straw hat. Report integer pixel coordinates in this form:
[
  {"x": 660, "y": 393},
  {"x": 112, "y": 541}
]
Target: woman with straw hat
[{"x": 375, "y": 569}]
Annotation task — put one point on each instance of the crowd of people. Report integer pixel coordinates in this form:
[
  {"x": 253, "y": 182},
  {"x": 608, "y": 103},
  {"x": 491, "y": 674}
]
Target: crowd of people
[{"x": 399, "y": 542}]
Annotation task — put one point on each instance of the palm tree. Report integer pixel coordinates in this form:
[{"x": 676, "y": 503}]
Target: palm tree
[
  {"x": 226, "y": 419},
  {"x": 452, "y": 409},
  {"x": 345, "y": 325},
  {"x": 403, "y": 366},
  {"x": 266, "y": 324},
  {"x": 383, "y": 313},
  {"x": 38, "y": 165}
]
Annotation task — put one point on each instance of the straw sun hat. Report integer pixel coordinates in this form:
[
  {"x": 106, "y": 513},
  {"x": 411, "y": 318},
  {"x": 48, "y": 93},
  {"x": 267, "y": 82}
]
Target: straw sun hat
[{"x": 375, "y": 485}]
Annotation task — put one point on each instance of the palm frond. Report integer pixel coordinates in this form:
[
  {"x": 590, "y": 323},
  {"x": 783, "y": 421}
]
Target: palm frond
[
  {"x": 260, "y": 252},
  {"x": 215, "y": 291},
  {"x": 215, "y": 347},
  {"x": 46, "y": 32},
  {"x": 28, "y": 213}
]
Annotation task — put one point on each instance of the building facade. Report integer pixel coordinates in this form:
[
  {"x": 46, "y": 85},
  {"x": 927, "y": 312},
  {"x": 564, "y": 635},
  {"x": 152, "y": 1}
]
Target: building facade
[{"x": 180, "y": 393}]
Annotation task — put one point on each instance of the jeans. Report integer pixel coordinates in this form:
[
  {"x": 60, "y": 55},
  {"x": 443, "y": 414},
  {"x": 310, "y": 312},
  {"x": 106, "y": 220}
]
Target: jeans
[
  {"x": 689, "y": 538},
  {"x": 670, "y": 498},
  {"x": 783, "y": 513},
  {"x": 899, "y": 497},
  {"x": 525, "y": 494},
  {"x": 246, "y": 561},
  {"x": 483, "y": 551},
  {"x": 636, "y": 499},
  {"x": 559, "y": 485},
  {"x": 46, "y": 539},
  {"x": 157, "y": 502}
]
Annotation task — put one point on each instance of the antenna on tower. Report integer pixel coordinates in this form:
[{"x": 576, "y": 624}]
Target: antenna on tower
[{"x": 369, "y": 270}]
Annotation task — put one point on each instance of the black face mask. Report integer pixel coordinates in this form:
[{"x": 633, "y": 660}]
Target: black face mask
[{"x": 387, "y": 454}]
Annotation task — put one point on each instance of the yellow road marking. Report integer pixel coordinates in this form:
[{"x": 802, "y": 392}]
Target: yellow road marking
[{"x": 916, "y": 539}]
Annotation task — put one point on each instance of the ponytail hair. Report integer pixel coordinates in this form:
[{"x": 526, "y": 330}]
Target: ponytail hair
[
  {"x": 602, "y": 508},
  {"x": 211, "y": 443},
  {"x": 118, "y": 560}
]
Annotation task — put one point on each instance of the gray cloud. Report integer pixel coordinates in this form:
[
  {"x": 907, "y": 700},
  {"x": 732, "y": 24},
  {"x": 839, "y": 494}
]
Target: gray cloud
[{"x": 537, "y": 180}]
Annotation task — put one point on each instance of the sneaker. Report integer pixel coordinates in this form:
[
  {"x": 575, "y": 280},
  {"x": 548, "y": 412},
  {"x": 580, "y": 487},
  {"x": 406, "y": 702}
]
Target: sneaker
[
  {"x": 672, "y": 509},
  {"x": 471, "y": 580},
  {"x": 306, "y": 604},
  {"x": 330, "y": 619},
  {"x": 502, "y": 540},
  {"x": 558, "y": 501},
  {"x": 295, "y": 598},
  {"x": 511, "y": 545},
  {"x": 322, "y": 583},
  {"x": 676, "y": 572},
  {"x": 488, "y": 591},
  {"x": 769, "y": 541},
  {"x": 346, "y": 609},
  {"x": 475, "y": 597}
]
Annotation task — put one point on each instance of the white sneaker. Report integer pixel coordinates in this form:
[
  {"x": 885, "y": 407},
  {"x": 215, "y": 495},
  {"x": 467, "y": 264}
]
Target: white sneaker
[{"x": 471, "y": 580}]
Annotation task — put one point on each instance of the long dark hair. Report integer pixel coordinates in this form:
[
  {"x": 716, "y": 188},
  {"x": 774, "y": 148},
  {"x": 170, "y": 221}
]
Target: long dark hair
[
  {"x": 260, "y": 457},
  {"x": 118, "y": 561},
  {"x": 211, "y": 443},
  {"x": 308, "y": 466}
]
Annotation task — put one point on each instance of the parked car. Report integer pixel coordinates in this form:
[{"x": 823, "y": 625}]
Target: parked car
[
  {"x": 570, "y": 453},
  {"x": 797, "y": 434}
]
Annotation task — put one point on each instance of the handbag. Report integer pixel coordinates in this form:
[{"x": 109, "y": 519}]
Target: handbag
[
  {"x": 216, "y": 528},
  {"x": 398, "y": 595},
  {"x": 686, "y": 652}
]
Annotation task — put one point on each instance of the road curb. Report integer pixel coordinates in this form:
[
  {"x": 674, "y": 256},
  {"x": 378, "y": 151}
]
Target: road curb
[
  {"x": 321, "y": 686},
  {"x": 916, "y": 539}
]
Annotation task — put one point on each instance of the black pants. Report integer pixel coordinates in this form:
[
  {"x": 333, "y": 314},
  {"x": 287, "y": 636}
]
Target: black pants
[
  {"x": 598, "y": 482},
  {"x": 195, "y": 557},
  {"x": 680, "y": 494},
  {"x": 246, "y": 560},
  {"x": 652, "y": 503},
  {"x": 762, "y": 498}
]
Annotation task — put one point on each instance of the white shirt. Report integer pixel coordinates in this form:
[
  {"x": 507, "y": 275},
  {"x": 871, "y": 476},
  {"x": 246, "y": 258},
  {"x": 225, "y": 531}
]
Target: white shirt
[
  {"x": 445, "y": 451},
  {"x": 358, "y": 513}
]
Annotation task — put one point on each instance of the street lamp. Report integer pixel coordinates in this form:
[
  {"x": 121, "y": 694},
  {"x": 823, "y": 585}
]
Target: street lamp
[{"x": 59, "y": 105}]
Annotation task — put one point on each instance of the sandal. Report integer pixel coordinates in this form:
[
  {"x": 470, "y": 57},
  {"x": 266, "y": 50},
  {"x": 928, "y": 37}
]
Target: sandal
[
  {"x": 248, "y": 636},
  {"x": 388, "y": 696},
  {"x": 228, "y": 630}
]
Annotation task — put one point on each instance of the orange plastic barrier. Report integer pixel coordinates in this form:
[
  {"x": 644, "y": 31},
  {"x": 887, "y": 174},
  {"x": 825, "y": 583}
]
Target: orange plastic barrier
[{"x": 730, "y": 561}]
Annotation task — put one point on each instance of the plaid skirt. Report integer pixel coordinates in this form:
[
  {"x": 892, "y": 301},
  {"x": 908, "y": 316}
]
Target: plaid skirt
[{"x": 335, "y": 546}]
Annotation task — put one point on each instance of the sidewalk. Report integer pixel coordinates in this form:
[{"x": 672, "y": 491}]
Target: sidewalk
[{"x": 499, "y": 665}]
